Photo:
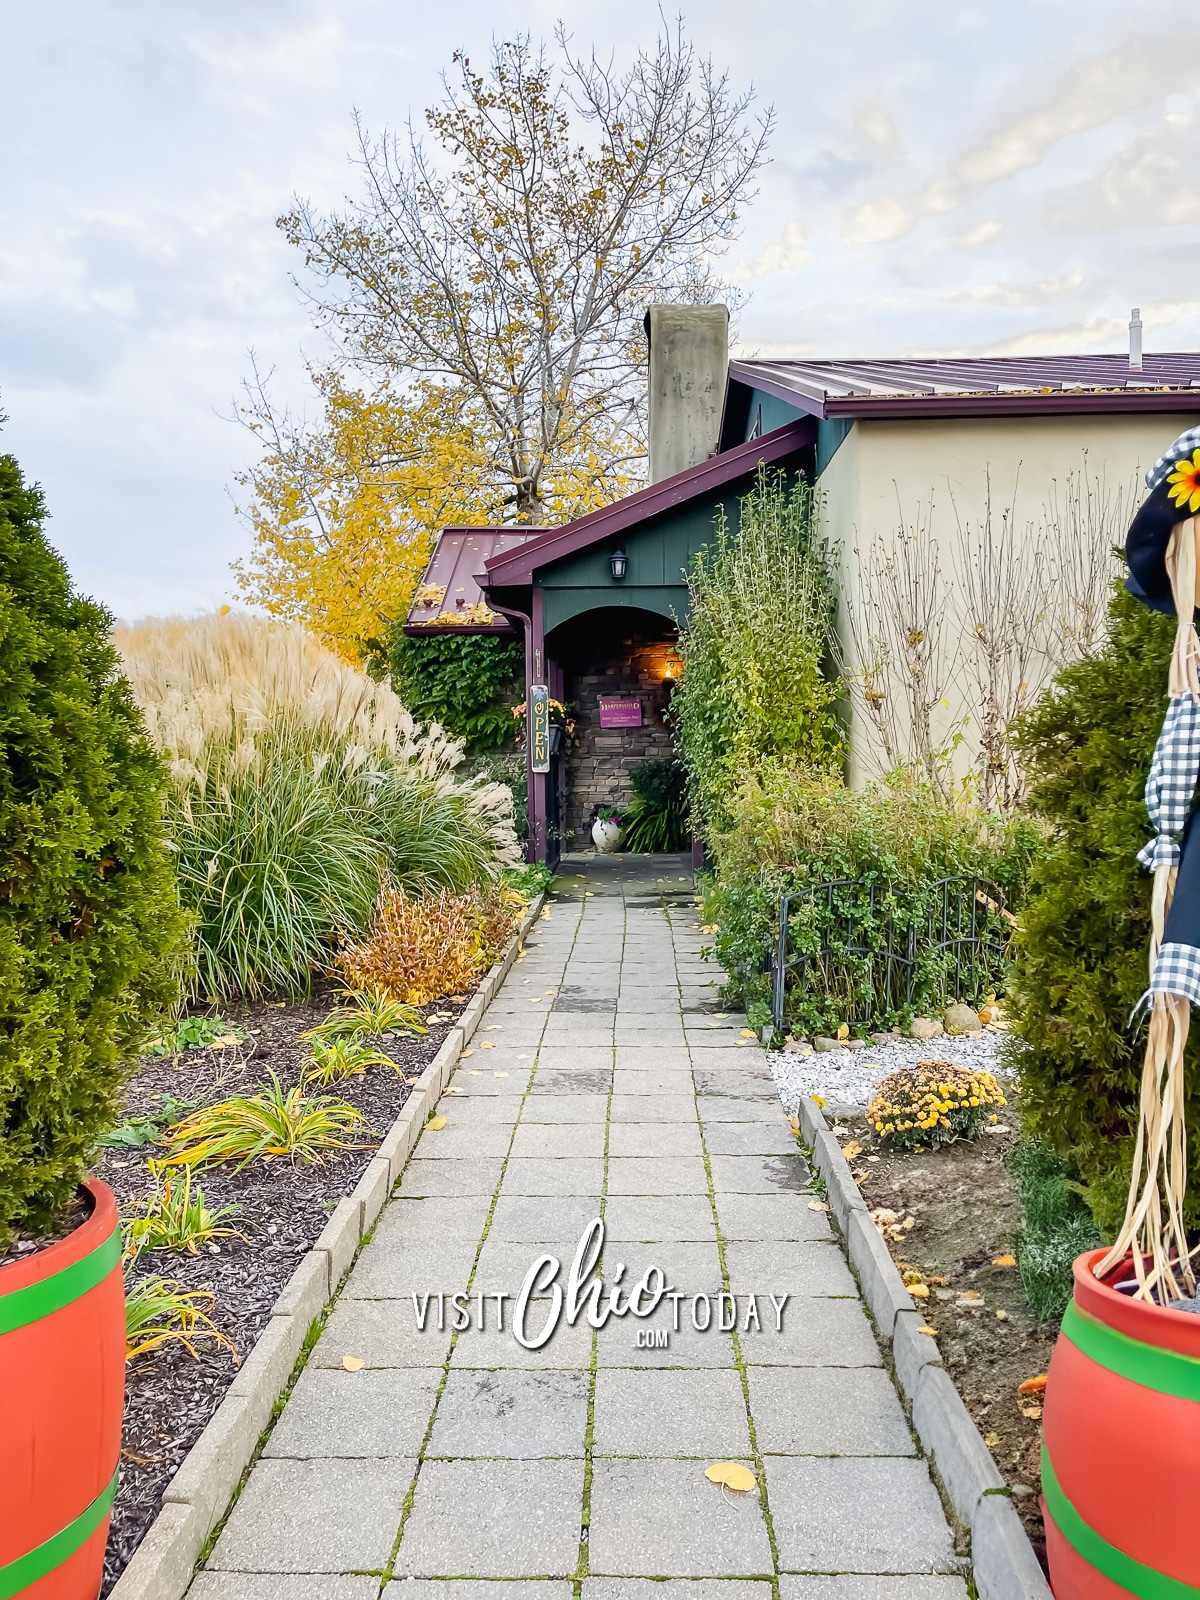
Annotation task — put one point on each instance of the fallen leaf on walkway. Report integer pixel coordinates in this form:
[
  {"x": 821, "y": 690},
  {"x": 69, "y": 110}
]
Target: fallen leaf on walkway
[
  {"x": 1004, "y": 1261},
  {"x": 353, "y": 1363},
  {"x": 487, "y": 1044},
  {"x": 731, "y": 1475},
  {"x": 1033, "y": 1385},
  {"x": 550, "y": 991},
  {"x": 817, "y": 1205},
  {"x": 852, "y": 1149},
  {"x": 436, "y": 1124},
  {"x": 494, "y": 1027},
  {"x": 499, "y": 1074},
  {"x": 749, "y": 1033},
  {"x": 467, "y": 1053},
  {"x": 457, "y": 1090}
]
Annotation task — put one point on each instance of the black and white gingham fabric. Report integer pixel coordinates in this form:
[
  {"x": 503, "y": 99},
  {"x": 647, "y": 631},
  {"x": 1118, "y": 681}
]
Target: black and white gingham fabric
[
  {"x": 1183, "y": 446},
  {"x": 1174, "y": 774},
  {"x": 1177, "y": 971}
]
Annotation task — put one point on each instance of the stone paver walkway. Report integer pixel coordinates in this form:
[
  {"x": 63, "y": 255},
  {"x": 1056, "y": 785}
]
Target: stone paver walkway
[{"x": 603, "y": 1083}]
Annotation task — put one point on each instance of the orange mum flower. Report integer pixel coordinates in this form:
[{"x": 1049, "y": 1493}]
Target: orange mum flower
[{"x": 1185, "y": 484}]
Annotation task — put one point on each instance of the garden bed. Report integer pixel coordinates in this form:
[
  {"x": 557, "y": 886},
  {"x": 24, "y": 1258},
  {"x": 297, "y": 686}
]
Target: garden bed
[
  {"x": 967, "y": 1213},
  {"x": 283, "y": 1207}
]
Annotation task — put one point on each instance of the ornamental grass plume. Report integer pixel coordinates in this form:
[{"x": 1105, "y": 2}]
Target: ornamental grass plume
[
  {"x": 299, "y": 786},
  {"x": 933, "y": 1103}
]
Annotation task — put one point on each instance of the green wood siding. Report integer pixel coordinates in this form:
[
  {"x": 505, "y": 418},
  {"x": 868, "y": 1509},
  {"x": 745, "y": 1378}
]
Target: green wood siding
[{"x": 659, "y": 556}]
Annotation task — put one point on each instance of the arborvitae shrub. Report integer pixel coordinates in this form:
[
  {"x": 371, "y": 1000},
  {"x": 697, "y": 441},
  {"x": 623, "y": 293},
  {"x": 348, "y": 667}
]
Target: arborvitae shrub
[
  {"x": 1081, "y": 954},
  {"x": 91, "y": 932}
]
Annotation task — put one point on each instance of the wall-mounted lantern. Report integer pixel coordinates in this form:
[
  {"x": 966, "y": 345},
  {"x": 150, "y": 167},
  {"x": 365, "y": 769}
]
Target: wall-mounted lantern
[{"x": 619, "y": 562}]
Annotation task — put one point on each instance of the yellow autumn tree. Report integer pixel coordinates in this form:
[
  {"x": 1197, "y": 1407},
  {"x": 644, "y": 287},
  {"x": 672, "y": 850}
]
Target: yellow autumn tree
[{"x": 344, "y": 511}]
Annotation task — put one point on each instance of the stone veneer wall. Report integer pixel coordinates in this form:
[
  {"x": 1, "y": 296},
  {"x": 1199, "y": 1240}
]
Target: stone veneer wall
[{"x": 597, "y": 768}]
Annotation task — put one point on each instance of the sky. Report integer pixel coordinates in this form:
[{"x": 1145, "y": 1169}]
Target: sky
[{"x": 946, "y": 178}]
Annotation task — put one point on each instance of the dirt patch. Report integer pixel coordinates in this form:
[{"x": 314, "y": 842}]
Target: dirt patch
[
  {"x": 967, "y": 1214},
  {"x": 170, "y": 1397}
]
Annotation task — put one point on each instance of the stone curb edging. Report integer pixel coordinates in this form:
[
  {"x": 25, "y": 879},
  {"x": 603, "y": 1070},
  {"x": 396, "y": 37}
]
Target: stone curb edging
[
  {"x": 198, "y": 1495},
  {"x": 1003, "y": 1563}
]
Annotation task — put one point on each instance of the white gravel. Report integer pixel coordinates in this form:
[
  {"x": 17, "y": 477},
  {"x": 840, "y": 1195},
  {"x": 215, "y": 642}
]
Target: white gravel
[{"x": 849, "y": 1077}]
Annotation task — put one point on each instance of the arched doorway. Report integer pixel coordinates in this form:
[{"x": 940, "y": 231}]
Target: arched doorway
[{"x": 618, "y": 666}]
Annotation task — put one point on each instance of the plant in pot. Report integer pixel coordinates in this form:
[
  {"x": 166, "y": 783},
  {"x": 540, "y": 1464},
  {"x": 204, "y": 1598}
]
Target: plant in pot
[
  {"x": 91, "y": 936},
  {"x": 607, "y": 830},
  {"x": 656, "y": 820},
  {"x": 1120, "y": 1455},
  {"x": 562, "y": 725}
]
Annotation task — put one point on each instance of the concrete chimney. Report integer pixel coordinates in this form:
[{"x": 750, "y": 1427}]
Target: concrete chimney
[
  {"x": 1135, "y": 340},
  {"x": 689, "y": 357}
]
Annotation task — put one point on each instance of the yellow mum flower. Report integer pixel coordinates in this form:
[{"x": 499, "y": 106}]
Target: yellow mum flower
[{"x": 1184, "y": 484}]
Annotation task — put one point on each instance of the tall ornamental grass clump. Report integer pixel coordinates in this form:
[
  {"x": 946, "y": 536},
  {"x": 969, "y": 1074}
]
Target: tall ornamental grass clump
[
  {"x": 1080, "y": 964},
  {"x": 299, "y": 787},
  {"x": 755, "y": 649},
  {"x": 790, "y": 829},
  {"x": 91, "y": 933}
]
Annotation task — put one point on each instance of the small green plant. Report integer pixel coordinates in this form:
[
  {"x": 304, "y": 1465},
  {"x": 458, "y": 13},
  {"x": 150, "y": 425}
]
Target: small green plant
[
  {"x": 159, "y": 1311},
  {"x": 1056, "y": 1227},
  {"x": 274, "y": 1122},
  {"x": 193, "y": 1033},
  {"x": 530, "y": 880},
  {"x": 129, "y": 1135},
  {"x": 176, "y": 1217},
  {"x": 933, "y": 1103},
  {"x": 370, "y": 1014},
  {"x": 334, "y": 1060}
]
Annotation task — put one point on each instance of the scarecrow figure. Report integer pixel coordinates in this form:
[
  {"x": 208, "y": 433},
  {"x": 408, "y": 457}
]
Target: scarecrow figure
[{"x": 1164, "y": 568}]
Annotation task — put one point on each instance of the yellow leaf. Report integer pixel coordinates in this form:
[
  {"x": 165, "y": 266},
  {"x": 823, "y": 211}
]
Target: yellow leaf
[
  {"x": 794, "y": 1124},
  {"x": 844, "y": 1031},
  {"x": 748, "y": 1033},
  {"x": 925, "y": 1328},
  {"x": 487, "y": 1044},
  {"x": 818, "y": 1100},
  {"x": 731, "y": 1475},
  {"x": 1032, "y": 1412},
  {"x": 919, "y": 1290},
  {"x": 436, "y": 1124},
  {"x": 353, "y": 1363},
  {"x": 852, "y": 1149},
  {"x": 817, "y": 1205},
  {"x": 466, "y": 1053},
  {"x": 991, "y": 1440},
  {"x": 1004, "y": 1261}
]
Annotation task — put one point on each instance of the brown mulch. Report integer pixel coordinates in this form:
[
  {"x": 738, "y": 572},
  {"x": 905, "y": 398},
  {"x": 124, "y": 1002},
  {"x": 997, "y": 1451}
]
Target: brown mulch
[
  {"x": 968, "y": 1213},
  {"x": 282, "y": 1207}
]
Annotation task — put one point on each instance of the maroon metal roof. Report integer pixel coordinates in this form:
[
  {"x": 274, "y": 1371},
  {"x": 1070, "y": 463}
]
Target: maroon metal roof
[
  {"x": 508, "y": 568},
  {"x": 448, "y": 597},
  {"x": 985, "y": 386}
]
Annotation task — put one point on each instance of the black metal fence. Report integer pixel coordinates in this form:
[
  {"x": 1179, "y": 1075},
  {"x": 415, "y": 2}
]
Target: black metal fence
[{"x": 877, "y": 950}]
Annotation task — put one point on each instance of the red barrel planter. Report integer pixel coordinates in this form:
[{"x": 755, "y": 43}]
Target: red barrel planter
[
  {"x": 62, "y": 1388},
  {"x": 1121, "y": 1450}
]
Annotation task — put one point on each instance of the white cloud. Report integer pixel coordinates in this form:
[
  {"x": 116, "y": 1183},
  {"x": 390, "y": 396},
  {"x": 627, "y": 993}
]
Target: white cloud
[
  {"x": 784, "y": 254},
  {"x": 1091, "y": 93},
  {"x": 1015, "y": 294},
  {"x": 985, "y": 232},
  {"x": 1151, "y": 181}
]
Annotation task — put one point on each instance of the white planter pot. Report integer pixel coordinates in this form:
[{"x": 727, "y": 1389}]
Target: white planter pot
[{"x": 606, "y": 835}]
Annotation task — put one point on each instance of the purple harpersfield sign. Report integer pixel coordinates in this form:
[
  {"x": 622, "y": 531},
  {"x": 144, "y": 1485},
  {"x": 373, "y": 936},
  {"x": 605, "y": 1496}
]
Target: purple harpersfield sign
[{"x": 620, "y": 712}]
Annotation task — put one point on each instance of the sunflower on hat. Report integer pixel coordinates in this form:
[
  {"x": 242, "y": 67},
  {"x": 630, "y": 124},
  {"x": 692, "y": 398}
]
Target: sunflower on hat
[{"x": 1183, "y": 485}]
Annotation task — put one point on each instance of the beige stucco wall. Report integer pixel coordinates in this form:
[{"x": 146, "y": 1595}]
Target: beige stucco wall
[{"x": 937, "y": 471}]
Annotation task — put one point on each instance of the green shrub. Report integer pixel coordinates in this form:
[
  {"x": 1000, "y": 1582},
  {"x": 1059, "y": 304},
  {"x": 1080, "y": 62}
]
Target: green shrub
[
  {"x": 467, "y": 682},
  {"x": 91, "y": 934},
  {"x": 791, "y": 829},
  {"x": 1080, "y": 957},
  {"x": 1056, "y": 1226},
  {"x": 656, "y": 819},
  {"x": 754, "y": 650}
]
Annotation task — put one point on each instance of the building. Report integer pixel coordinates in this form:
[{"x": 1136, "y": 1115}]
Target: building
[{"x": 955, "y": 464}]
